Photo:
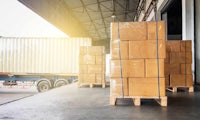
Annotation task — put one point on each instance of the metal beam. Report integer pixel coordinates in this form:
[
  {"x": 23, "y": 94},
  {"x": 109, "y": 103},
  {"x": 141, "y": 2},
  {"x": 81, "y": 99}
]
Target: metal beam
[
  {"x": 91, "y": 4},
  {"x": 90, "y": 18},
  {"x": 140, "y": 7},
  {"x": 102, "y": 17},
  {"x": 122, "y": 7}
]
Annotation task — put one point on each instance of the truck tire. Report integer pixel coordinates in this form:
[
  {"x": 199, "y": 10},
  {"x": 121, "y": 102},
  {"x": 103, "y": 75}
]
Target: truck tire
[
  {"x": 43, "y": 86},
  {"x": 60, "y": 82}
]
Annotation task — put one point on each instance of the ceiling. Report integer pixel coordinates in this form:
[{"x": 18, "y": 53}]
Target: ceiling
[{"x": 95, "y": 15}]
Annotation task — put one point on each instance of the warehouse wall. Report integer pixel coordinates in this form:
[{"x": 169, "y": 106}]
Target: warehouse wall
[
  {"x": 159, "y": 6},
  {"x": 150, "y": 17},
  {"x": 197, "y": 39}
]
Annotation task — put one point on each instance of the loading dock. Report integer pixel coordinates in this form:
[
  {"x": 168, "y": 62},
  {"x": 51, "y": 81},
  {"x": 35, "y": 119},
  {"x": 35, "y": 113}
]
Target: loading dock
[{"x": 71, "y": 102}]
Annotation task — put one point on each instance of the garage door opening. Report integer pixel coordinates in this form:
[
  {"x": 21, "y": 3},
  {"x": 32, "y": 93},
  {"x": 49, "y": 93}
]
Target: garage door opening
[{"x": 172, "y": 13}]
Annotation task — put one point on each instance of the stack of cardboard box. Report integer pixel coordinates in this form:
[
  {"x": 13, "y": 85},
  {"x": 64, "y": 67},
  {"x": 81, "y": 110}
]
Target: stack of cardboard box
[
  {"x": 139, "y": 64},
  {"x": 178, "y": 63},
  {"x": 92, "y": 65}
]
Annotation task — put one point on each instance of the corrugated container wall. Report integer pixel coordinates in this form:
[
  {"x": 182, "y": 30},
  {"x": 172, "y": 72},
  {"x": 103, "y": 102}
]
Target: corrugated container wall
[{"x": 41, "y": 55}]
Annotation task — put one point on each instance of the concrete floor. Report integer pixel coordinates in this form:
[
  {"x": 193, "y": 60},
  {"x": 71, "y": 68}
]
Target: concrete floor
[
  {"x": 10, "y": 94},
  {"x": 72, "y": 103}
]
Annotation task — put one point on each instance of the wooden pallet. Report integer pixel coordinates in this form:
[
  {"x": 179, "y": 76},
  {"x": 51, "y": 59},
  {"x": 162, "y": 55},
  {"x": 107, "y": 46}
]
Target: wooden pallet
[
  {"x": 137, "y": 100},
  {"x": 174, "y": 89},
  {"x": 91, "y": 85}
]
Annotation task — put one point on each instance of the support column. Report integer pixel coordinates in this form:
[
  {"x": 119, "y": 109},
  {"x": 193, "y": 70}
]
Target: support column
[
  {"x": 197, "y": 40},
  {"x": 188, "y": 24}
]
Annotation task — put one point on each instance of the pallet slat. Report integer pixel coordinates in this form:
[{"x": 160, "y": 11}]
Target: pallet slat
[
  {"x": 175, "y": 89},
  {"x": 162, "y": 101},
  {"x": 91, "y": 85}
]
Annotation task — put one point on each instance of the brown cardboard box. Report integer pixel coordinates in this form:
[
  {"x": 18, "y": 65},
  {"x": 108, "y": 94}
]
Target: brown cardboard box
[
  {"x": 167, "y": 80},
  {"x": 151, "y": 66},
  {"x": 146, "y": 49},
  {"x": 167, "y": 57},
  {"x": 181, "y": 57},
  {"x": 124, "y": 47},
  {"x": 83, "y": 50},
  {"x": 130, "y": 68},
  {"x": 172, "y": 68},
  {"x": 83, "y": 69},
  {"x": 90, "y": 59},
  {"x": 129, "y": 30},
  {"x": 92, "y": 50},
  {"x": 86, "y": 78},
  {"x": 100, "y": 59},
  {"x": 178, "y": 80},
  {"x": 188, "y": 69},
  {"x": 86, "y": 59},
  {"x": 96, "y": 50},
  {"x": 96, "y": 68},
  {"x": 136, "y": 68},
  {"x": 147, "y": 87},
  {"x": 100, "y": 78},
  {"x": 152, "y": 30},
  {"x": 173, "y": 45},
  {"x": 186, "y": 45},
  {"x": 116, "y": 86},
  {"x": 115, "y": 68}
]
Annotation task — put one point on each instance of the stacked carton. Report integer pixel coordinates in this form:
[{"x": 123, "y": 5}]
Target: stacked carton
[
  {"x": 138, "y": 49},
  {"x": 178, "y": 63},
  {"x": 92, "y": 65}
]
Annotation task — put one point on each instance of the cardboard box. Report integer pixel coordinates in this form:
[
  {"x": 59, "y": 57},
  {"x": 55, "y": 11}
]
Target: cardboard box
[
  {"x": 179, "y": 80},
  {"x": 146, "y": 49},
  {"x": 83, "y": 50},
  {"x": 96, "y": 68},
  {"x": 83, "y": 69},
  {"x": 86, "y": 78},
  {"x": 152, "y": 30},
  {"x": 129, "y": 30},
  {"x": 115, "y": 68},
  {"x": 136, "y": 68},
  {"x": 167, "y": 58},
  {"x": 146, "y": 87},
  {"x": 90, "y": 59},
  {"x": 173, "y": 45},
  {"x": 100, "y": 78},
  {"x": 86, "y": 59},
  {"x": 116, "y": 87},
  {"x": 130, "y": 68},
  {"x": 151, "y": 66},
  {"x": 100, "y": 59},
  {"x": 124, "y": 47},
  {"x": 172, "y": 68},
  {"x": 181, "y": 57},
  {"x": 167, "y": 77},
  {"x": 186, "y": 45},
  {"x": 96, "y": 50},
  {"x": 92, "y": 50},
  {"x": 186, "y": 68}
]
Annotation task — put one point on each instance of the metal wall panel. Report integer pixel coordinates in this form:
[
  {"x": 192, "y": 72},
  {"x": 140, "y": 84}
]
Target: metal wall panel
[
  {"x": 41, "y": 55},
  {"x": 197, "y": 41}
]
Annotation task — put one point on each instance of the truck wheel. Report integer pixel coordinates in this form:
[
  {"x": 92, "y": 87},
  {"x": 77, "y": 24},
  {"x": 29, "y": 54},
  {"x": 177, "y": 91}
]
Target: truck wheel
[
  {"x": 43, "y": 86},
  {"x": 60, "y": 82}
]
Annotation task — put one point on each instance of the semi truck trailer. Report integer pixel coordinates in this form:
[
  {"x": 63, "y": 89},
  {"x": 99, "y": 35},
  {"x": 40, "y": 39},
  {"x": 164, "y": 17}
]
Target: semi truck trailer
[{"x": 49, "y": 62}]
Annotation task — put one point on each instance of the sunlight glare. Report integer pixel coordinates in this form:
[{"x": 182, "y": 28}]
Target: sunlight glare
[{"x": 19, "y": 21}]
